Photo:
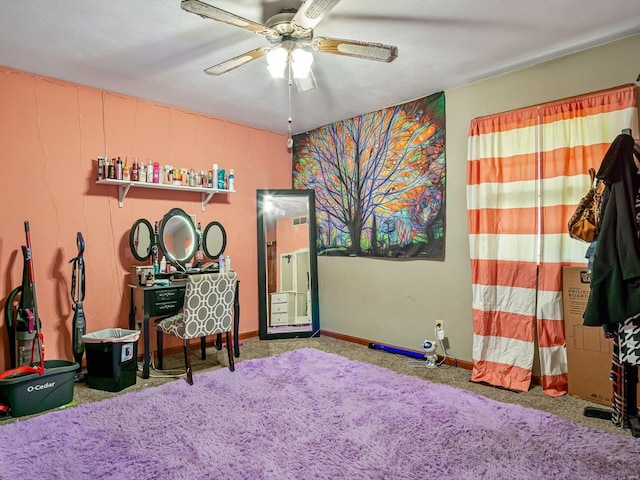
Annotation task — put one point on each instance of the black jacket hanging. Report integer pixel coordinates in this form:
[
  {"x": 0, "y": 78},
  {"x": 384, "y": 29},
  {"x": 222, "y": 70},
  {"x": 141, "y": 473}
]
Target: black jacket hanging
[{"x": 615, "y": 277}]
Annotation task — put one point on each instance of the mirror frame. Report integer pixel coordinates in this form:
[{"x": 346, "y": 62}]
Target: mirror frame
[
  {"x": 263, "y": 296},
  {"x": 178, "y": 212},
  {"x": 204, "y": 239},
  {"x": 152, "y": 239}
]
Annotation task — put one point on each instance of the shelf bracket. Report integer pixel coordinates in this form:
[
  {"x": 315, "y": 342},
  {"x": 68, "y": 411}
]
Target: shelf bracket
[
  {"x": 206, "y": 196},
  {"x": 122, "y": 193}
]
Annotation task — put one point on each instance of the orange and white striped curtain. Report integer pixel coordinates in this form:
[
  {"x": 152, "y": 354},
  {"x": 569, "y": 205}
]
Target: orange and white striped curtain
[{"x": 527, "y": 170}]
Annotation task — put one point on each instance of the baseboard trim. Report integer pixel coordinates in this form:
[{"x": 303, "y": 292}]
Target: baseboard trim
[{"x": 454, "y": 362}]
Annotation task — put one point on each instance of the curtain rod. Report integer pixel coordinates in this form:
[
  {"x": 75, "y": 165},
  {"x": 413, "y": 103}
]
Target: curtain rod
[
  {"x": 575, "y": 97},
  {"x": 561, "y": 100}
]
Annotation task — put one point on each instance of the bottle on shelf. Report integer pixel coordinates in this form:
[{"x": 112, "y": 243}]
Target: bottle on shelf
[
  {"x": 163, "y": 265},
  {"x": 134, "y": 170},
  {"x": 221, "y": 266},
  {"x": 150, "y": 172},
  {"x": 227, "y": 264},
  {"x": 214, "y": 174},
  {"x": 232, "y": 180},
  {"x": 111, "y": 169},
  {"x": 118, "y": 169},
  {"x": 156, "y": 172},
  {"x": 100, "y": 168},
  {"x": 142, "y": 172}
]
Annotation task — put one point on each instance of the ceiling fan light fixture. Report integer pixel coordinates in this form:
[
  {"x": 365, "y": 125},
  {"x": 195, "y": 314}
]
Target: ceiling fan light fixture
[
  {"x": 277, "y": 61},
  {"x": 301, "y": 61}
]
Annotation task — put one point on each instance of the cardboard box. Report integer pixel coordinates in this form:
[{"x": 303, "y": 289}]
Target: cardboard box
[{"x": 589, "y": 353}]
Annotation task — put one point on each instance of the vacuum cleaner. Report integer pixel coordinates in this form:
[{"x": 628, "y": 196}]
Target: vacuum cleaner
[
  {"x": 79, "y": 323},
  {"x": 21, "y": 315}
]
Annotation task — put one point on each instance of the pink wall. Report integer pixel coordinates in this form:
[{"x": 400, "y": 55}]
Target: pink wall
[
  {"x": 51, "y": 132},
  {"x": 290, "y": 238}
]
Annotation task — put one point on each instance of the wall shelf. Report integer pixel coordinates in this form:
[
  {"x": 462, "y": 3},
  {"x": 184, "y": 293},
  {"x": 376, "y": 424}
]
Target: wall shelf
[{"x": 125, "y": 185}]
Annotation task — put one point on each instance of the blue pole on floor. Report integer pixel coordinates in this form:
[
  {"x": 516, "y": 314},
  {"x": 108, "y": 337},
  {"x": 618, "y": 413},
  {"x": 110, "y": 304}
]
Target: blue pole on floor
[{"x": 399, "y": 351}]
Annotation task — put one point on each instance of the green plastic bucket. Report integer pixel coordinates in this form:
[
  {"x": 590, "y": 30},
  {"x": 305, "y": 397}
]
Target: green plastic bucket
[{"x": 35, "y": 393}]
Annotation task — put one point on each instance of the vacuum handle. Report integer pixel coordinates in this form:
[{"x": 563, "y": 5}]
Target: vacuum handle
[{"x": 29, "y": 256}]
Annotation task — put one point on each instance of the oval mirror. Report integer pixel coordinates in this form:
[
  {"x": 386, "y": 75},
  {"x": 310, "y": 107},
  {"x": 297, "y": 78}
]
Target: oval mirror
[
  {"x": 214, "y": 240},
  {"x": 178, "y": 237},
  {"x": 141, "y": 239}
]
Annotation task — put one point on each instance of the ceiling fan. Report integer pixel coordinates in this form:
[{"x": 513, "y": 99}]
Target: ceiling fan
[{"x": 290, "y": 34}]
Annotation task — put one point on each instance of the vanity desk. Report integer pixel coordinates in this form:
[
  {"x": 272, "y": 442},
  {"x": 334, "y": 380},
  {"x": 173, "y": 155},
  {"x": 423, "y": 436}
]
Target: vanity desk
[
  {"x": 162, "y": 300},
  {"x": 178, "y": 240}
]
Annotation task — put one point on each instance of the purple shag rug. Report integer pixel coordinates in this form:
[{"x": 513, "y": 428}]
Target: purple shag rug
[{"x": 308, "y": 414}]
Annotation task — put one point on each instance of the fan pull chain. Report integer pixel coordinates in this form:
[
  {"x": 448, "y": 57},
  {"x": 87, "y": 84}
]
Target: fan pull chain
[{"x": 289, "y": 140}]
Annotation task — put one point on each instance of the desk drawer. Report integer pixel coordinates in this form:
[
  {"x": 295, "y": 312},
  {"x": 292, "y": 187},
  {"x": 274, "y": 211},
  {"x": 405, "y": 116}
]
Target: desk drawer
[
  {"x": 169, "y": 295},
  {"x": 165, "y": 308}
]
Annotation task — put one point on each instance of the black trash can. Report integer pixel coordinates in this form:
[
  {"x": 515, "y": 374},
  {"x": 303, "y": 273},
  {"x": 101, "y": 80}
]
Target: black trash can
[{"x": 112, "y": 358}]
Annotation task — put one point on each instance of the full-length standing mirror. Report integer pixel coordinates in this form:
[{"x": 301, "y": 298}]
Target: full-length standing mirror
[{"x": 287, "y": 264}]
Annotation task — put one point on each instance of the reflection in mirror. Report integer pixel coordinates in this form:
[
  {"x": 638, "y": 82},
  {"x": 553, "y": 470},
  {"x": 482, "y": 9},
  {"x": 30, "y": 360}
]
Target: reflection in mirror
[
  {"x": 178, "y": 237},
  {"x": 214, "y": 240},
  {"x": 141, "y": 239},
  {"x": 287, "y": 264}
]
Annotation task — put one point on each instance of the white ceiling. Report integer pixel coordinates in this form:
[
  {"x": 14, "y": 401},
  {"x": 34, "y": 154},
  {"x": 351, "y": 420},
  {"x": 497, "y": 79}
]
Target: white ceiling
[{"x": 155, "y": 50}]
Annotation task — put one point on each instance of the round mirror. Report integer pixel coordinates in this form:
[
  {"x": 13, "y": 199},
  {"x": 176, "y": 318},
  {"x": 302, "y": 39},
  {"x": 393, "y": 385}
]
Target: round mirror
[
  {"x": 178, "y": 237},
  {"x": 214, "y": 240},
  {"x": 141, "y": 239}
]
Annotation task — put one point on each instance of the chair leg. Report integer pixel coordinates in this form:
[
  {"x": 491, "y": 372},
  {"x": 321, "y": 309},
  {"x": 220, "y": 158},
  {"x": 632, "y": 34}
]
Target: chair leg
[
  {"x": 187, "y": 361},
  {"x": 159, "y": 335},
  {"x": 232, "y": 366},
  {"x": 219, "y": 341},
  {"x": 203, "y": 348}
]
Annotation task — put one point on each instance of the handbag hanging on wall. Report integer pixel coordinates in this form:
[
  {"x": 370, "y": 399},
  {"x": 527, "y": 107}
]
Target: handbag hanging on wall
[{"x": 585, "y": 222}]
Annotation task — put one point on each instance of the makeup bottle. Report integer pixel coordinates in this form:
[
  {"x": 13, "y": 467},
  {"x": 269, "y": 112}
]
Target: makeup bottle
[
  {"x": 150, "y": 172},
  {"x": 214, "y": 184},
  {"x": 156, "y": 172},
  {"x": 100, "y": 168},
  {"x": 111, "y": 169},
  {"x": 118, "y": 169},
  {"x": 134, "y": 170},
  {"x": 232, "y": 180},
  {"x": 126, "y": 172}
]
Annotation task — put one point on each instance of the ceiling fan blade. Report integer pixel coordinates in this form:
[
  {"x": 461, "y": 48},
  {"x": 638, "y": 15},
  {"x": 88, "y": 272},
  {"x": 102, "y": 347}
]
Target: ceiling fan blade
[
  {"x": 306, "y": 84},
  {"x": 207, "y": 11},
  {"x": 311, "y": 12},
  {"x": 236, "y": 62},
  {"x": 354, "y": 48}
]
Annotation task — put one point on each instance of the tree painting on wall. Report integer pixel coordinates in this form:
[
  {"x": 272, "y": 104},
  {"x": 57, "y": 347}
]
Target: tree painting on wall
[{"x": 379, "y": 181}]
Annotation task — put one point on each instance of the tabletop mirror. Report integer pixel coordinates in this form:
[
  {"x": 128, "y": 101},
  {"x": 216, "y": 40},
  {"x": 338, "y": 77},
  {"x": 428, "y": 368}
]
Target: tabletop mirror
[
  {"x": 287, "y": 264},
  {"x": 141, "y": 239},
  {"x": 178, "y": 237},
  {"x": 214, "y": 240}
]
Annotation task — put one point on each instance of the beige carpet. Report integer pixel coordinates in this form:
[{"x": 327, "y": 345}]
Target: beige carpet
[{"x": 566, "y": 406}]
